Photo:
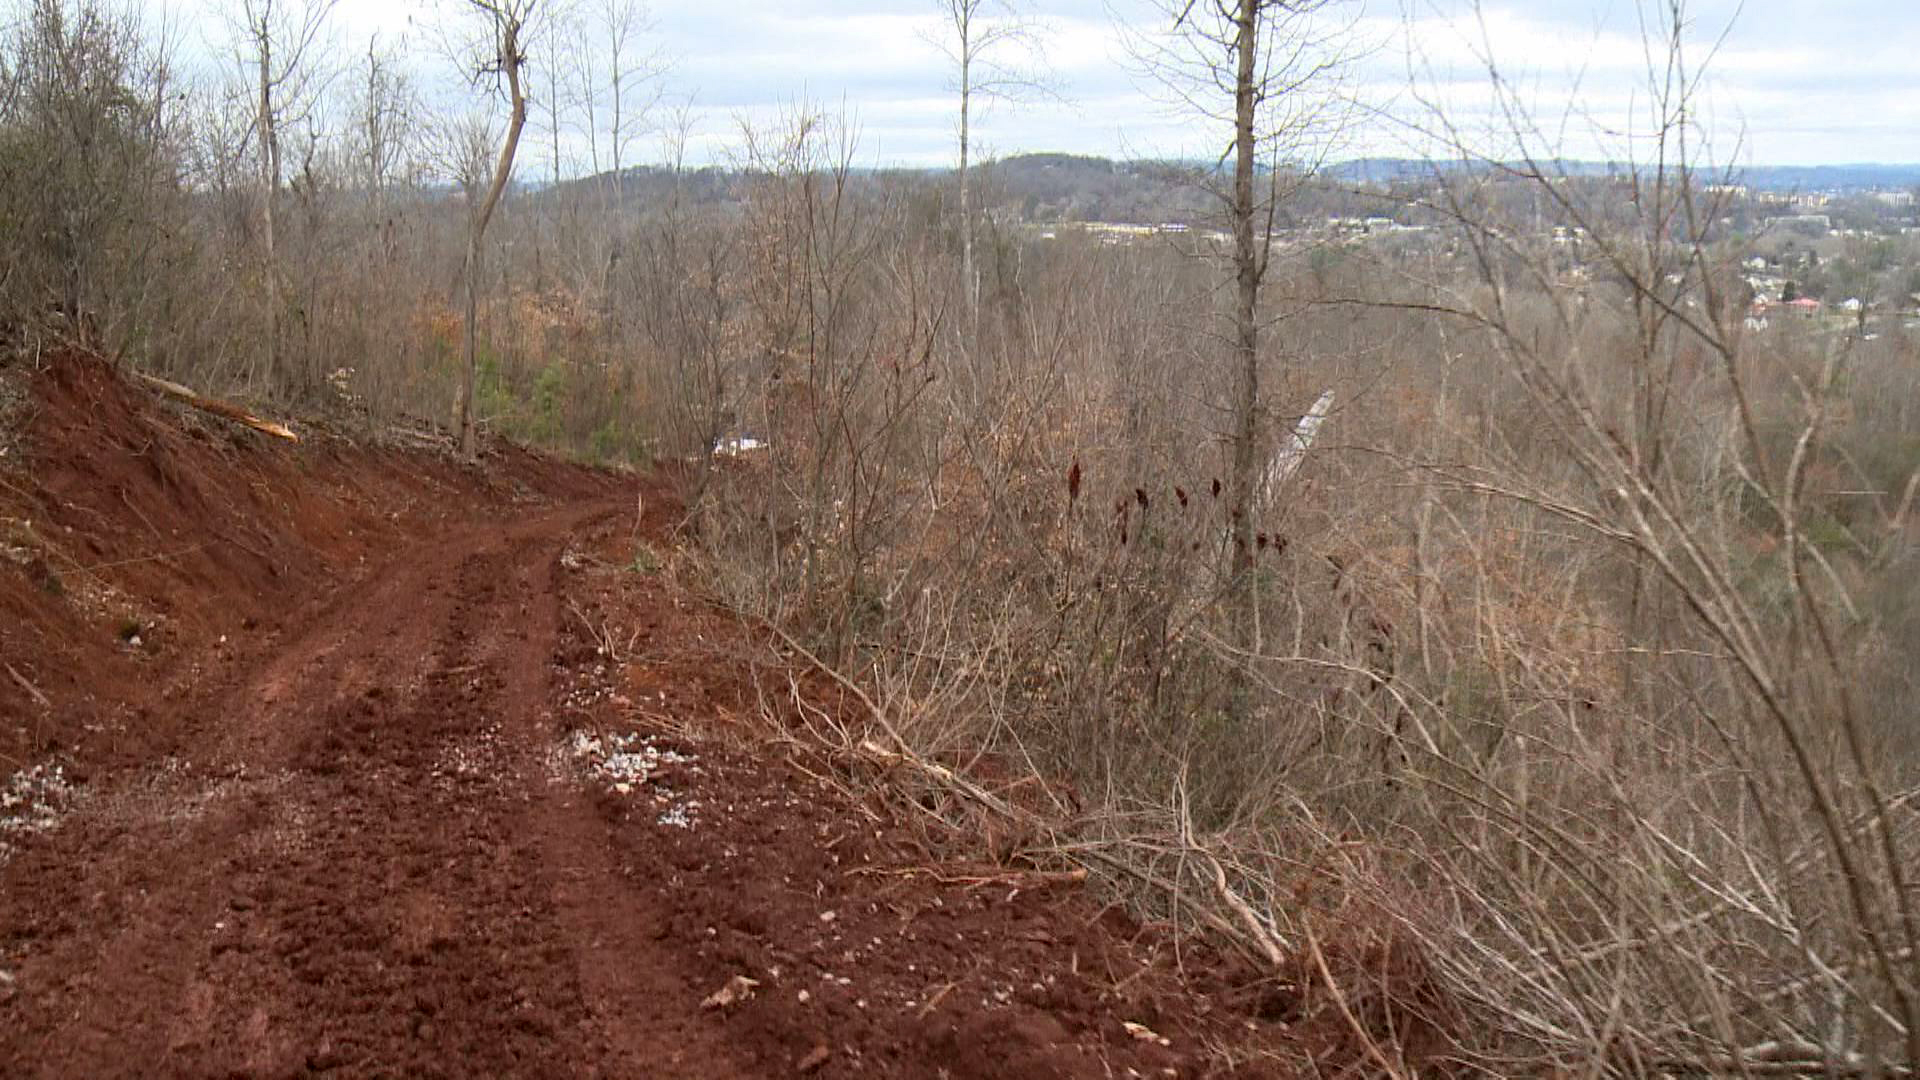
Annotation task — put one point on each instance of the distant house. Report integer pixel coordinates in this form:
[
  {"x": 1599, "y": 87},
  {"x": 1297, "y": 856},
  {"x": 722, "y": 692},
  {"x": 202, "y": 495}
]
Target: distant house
[
  {"x": 1807, "y": 224},
  {"x": 1804, "y": 305}
]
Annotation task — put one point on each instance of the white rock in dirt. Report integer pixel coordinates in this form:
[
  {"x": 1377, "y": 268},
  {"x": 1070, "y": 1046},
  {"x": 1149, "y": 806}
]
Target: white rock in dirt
[
  {"x": 622, "y": 761},
  {"x": 32, "y": 801},
  {"x": 629, "y": 758},
  {"x": 1144, "y": 1033},
  {"x": 737, "y": 989}
]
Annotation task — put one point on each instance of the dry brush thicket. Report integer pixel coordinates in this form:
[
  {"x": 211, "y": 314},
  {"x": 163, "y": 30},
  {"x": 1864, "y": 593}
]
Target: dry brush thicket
[
  {"x": 1575, "y": 728},
  {"x": 1582, "y": 734}
]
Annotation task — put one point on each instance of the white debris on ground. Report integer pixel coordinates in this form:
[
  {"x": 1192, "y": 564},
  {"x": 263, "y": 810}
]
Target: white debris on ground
[
  {"x": 737, "y": 445},
  {"x": 172, "y": 791},
  {"x": 477, "y": 759},
  {"x": 32, "y": 801},
  {"x": 594, "y": 688},
  {"x": 625, "y": 762},
  {"x": 679, "y": 815}
]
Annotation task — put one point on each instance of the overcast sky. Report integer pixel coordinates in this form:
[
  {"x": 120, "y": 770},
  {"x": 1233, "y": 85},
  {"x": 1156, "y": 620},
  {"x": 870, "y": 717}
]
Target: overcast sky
[{"x": 1790, "y": 83}]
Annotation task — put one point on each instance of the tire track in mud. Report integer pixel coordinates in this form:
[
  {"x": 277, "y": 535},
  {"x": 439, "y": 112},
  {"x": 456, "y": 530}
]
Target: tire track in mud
[{"x": 379, "y": 877}]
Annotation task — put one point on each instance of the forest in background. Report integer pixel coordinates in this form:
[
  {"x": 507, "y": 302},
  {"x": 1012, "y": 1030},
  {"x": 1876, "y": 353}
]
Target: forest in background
[{"x": 1484, "y": 618}]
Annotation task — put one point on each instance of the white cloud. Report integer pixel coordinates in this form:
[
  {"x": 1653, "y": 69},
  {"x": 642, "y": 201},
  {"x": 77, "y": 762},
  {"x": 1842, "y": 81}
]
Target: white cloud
[{"x": 1791, "y": 85}]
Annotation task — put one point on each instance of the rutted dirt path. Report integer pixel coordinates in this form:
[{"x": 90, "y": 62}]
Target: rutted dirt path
[
  {"x": 324, "y": 885},
  {"x": 421, "y": 825}
]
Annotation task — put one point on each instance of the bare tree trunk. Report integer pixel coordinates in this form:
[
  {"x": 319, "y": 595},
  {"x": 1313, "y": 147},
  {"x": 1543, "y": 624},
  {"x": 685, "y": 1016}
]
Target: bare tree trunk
[
  {"x": 553, "y": 113},
  {"x": 969, "y": 281},
  {"x": 977, "y": 43},
  {"x": 269, "y": 189},
  {"x": 510, "y": 63},
  {"x": 469, "y": 346},
  {"x": 278, "y": 34},
  {"x": 1246, "y": 357},
  {"x": 589, "y": 105}
]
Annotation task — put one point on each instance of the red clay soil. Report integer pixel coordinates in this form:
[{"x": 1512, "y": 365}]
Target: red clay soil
[{"x": 330, "y": 759}]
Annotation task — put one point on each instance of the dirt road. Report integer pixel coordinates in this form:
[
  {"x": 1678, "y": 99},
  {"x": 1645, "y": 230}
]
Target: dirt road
[
  {"x": 357, "y": 860},
  {"x": 477, "y": 801}
]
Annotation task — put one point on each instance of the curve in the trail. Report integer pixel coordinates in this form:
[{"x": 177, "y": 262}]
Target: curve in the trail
[
  {"x": 357, "y": 861},
  {"x": 366, "y": 845}
]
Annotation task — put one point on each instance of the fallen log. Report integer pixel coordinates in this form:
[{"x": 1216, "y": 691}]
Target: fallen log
[{"x": 188, "y": 396}]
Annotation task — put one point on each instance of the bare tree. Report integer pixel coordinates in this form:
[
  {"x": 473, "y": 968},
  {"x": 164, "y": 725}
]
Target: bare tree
[
  {"x": 502, "y": 58},
  {"x": 553, "y": 106},
  {"x": 274, "y": 38},
  {"x": 1266, "y": 69},
  {"x": 386, "y": 110},
  {"x": 615, "y": 82},
  {"x": 633, "y": 85},
  {"x": 977, "y": 38}
]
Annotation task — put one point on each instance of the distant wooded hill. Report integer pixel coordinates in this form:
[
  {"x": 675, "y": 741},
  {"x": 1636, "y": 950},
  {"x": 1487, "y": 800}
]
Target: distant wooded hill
[{"x": 1067, "y": 187}]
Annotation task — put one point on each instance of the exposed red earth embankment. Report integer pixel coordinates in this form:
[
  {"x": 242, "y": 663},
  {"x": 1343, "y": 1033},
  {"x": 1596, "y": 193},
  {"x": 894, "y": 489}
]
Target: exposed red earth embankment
[{"x": 340, "y": 759}]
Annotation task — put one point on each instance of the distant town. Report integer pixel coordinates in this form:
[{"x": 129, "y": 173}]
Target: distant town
[{"x": 1844, "y": 255}]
